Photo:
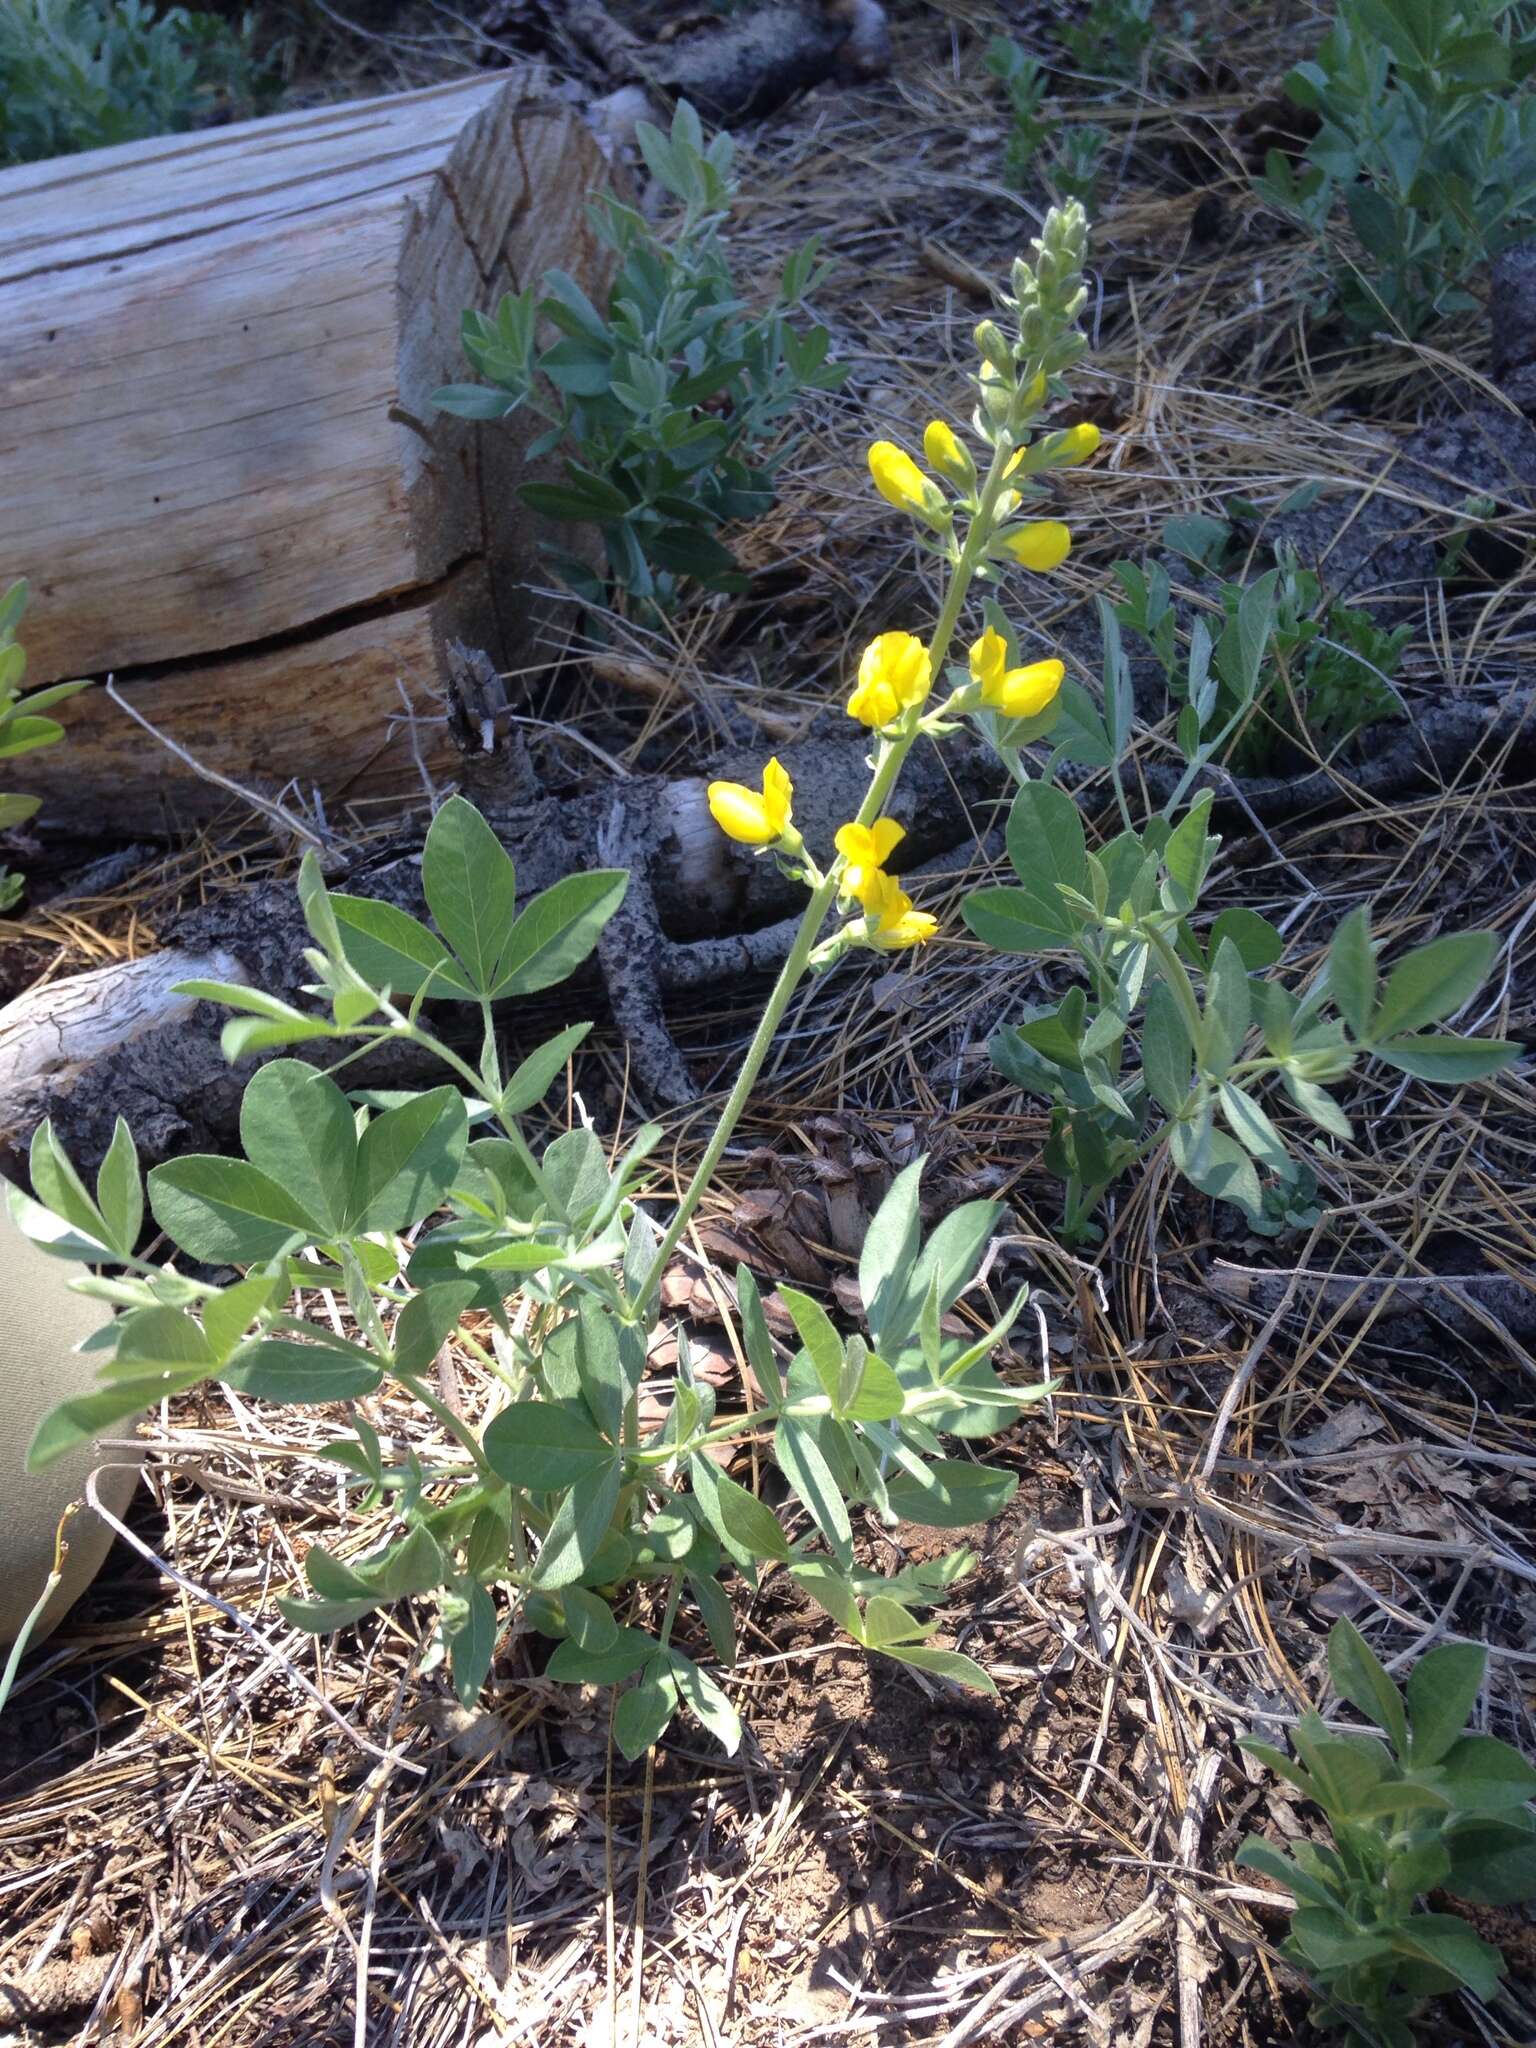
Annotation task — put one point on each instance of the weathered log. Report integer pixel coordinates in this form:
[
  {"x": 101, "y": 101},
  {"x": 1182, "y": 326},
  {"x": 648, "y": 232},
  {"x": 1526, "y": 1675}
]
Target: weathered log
[
  {"x": 702, "y": 912},
  {"x": 221, "y": 469}
]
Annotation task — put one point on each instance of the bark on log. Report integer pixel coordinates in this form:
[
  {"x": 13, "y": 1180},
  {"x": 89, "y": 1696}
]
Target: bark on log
[{"x": 221, "y": 470}]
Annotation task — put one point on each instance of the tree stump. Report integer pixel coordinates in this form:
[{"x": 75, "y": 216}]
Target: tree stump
[{"x": 222, "y": 472}]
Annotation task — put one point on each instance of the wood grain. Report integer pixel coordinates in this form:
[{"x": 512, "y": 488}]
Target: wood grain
[{"x": 219, "y": 464}]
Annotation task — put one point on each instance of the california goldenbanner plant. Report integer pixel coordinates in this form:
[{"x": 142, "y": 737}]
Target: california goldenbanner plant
[
  {"x": 1425, "y": 1806},
  {"x": 23, "y": 727},
  {"x": 552, "y": 1512}
]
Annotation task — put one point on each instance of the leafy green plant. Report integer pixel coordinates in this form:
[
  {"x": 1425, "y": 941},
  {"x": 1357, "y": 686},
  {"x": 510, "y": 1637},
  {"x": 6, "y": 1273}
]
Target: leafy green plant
[
  {"x": 665, "y": 405},
  {"x": 1067, "y": 157},
  {"x": 1113, "y": 38},
  {"x": 1427, "y": 141},
  {"x": 1327, "y": 667},
  {"x": 80, "y": 74},
  {"x": 1424, "y": 1806},
  {"x": 606, "y": 1539},
  {"x": 23, "y": 728},
  {"x": 1177, "y": 1029}
]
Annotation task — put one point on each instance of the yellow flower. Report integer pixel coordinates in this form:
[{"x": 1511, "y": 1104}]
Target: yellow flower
[
  {"x": 867, "y": 848},
  {"x": 1074, "y": 444},
  {"x": 894, "y": 674},
  {"x": 753, "y": 818},
  {"x": 947, "y": 456},
  {"x": 1042, "y": 545},
  {"x": 1016, "y": 692},
  {"x": 899, "y": 480},
  {"x": 890, "y": 922}
]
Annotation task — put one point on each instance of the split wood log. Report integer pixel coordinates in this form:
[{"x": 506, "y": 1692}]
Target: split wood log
[
  {"x": 700, "y": 913},
  {"x": 221, "y": 469}
]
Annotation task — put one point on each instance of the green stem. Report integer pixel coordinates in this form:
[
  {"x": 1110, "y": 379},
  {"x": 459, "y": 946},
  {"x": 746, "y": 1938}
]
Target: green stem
[
  {"x": 455, "y": 1425},
  {"x": 889, "y": 760}
]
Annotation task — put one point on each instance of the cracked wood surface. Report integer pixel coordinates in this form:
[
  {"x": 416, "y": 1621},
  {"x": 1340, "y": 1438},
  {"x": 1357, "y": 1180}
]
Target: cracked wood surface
[{"x": 224, "y": 477}]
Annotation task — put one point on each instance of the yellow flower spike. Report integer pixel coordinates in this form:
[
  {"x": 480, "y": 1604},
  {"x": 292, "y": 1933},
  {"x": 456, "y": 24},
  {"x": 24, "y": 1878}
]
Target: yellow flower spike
[
  {"x": 752, "y": 817},
  {"x": 894, "y": 674},
  {"x": 1043, "y": 545},
  {"x": 900, "y": 482},
  {"x": 946, "y": 454},
  {"x": 867, "y": 848}
]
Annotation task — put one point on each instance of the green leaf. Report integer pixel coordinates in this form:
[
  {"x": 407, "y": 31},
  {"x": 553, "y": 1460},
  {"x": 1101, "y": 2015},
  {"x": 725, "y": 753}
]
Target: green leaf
[
  {"x": 1359, "y": 1677},
  {"x": 119, "y": 1191},
  {"x": 283, "y": 1369},
  {"x": 1257, "y": 1854},
  {"x": 889, "y": 1249},
  {"x": 471, "y": 888},
  {"x": 573, "y": 1665},
  {"x": 1255, "y": 938},
  {"x": 1433, "y": 982},
  {"x": 876, "y": 1395},
  {"x": 427, "y": 1321},
  {"x": 1167, "y": 1056},
  {"x": 81, "y": 1420},
  {"x": 393, "y": 950},
  {"x": 1046, "y": 847},
  {"x": 545, "y": 1445},
  {"x": 755, "y": 1337},
  {"x": 1483, "y": 1775},
  {"x": 1228, "y": 1010},
  {"x": 1493, "y": 1862},
  {"x": 158, "y": 1339},
  {"x": 1352, "y": 970},
  {"x": 575, "y": 1536},
  {"x": 800, "y": 1459},
  {"x": 299, "y": 1130},
  {"x": 1187, "y": 856},
  {"x": 1249, "y": 1123},
  {"x": 956, "y": 1495},
  {"x": 557, "y": 931},
  {"x": 738, "y": 1518},
  {"x": 1433, "y": 1056},
  {"x": 229, "y": 1313},
  {"x": 1442, "y": 1691},
  {"x": 820, "y": 1338},
  {"x": 1450, "y": 1944},
  {"x": 714, "y": 1605},
  {"x": 642, "y": 1714},
  {"x": 706, "y": 1699},
  {"x": 225, "y": 1212},
  {"x": 590, "y": 1620},
  {"x": 472, "y": 1645},
  {"x": 59, "y": 1187},
  {"x": 832, "y": 1592},
  {"x": 951, "y": 1664},
  {"x": 407, "y": 1161},
  {"x": 531, "y": 1078},
  {"x": 1216, "y": 1165}
]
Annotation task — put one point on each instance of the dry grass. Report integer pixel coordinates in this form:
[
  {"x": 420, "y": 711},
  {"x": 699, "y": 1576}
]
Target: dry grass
[{"x": 270, "y": 1840}]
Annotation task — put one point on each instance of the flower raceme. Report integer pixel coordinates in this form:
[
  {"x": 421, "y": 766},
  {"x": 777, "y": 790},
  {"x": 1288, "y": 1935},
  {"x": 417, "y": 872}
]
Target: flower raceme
[
  {"x": 754, "y": 817},
  {"x": 1016, "y": 692},
  {"x": 867, "y": 848},
  {"x": 894, "y": 675}
]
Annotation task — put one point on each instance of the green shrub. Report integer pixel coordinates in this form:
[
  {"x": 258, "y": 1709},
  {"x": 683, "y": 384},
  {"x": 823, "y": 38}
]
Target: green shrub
[
  {"x": 1327, "y": 667},
  {"x": 1175, "y": 1030},
  {"x": 665, "y": 405},
  {"x": 22, "y": 726},
  {"x": 1040, "y": 144},
  {"x": 1428, "y": 144},
  {"x": 1430, "y": 1808},
  {"x": 80, "y": 74}
]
